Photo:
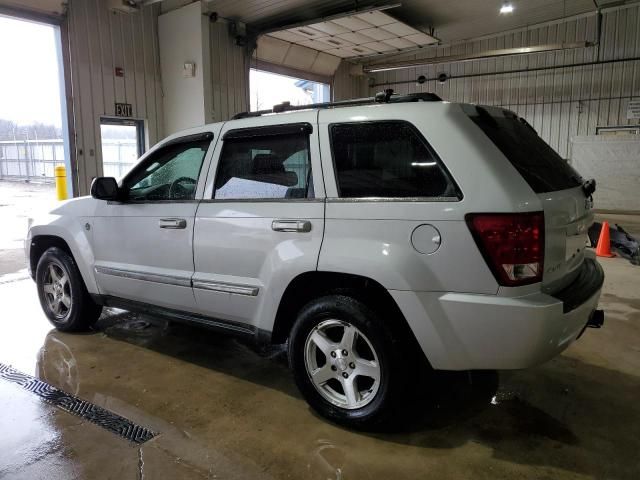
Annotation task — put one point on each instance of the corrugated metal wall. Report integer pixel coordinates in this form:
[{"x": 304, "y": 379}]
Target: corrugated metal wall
[
  {"x": 229, "y": 74},
  {"x": 559, "y": 103},
  {"x": 99, "y": 41}
]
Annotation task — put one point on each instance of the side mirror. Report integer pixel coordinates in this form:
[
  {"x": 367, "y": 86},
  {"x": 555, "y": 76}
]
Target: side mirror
[{"x": 104, "y": 188}]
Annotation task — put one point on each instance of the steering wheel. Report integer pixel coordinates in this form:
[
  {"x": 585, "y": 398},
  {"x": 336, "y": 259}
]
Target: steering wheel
[{"x": 176, "y": 183}]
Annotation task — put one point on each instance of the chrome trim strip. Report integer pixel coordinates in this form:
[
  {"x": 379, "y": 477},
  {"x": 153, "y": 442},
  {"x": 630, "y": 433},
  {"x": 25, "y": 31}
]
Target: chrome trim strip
[
  {"x": 150, "y": 202},
  {"x": 262, "y": 200},
  {"x": 147, "y": 277},
  {"x": 180, "y": 281},
  {"x": 226, "y": 287}
]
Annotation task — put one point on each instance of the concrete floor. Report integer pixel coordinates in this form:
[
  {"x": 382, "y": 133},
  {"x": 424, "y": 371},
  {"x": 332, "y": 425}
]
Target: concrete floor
[{"x": 223, "y": 410}]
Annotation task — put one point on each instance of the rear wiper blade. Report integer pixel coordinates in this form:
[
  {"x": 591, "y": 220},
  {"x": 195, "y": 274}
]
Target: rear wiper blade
[{"x": 589, "y": 186}]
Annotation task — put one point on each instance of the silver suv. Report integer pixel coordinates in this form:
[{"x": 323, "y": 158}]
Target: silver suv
[{"x": 367, "y": 234}]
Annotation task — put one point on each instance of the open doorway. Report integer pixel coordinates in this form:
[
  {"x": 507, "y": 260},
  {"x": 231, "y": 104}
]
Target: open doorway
[
  {"x": 122, "y": 145},
  {"x": 267, "y": 89},
  {"x": 33, "y": 129}
]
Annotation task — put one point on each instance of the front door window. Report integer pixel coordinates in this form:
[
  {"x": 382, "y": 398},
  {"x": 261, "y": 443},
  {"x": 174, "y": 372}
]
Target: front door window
[{"x": 171, "y": 173}]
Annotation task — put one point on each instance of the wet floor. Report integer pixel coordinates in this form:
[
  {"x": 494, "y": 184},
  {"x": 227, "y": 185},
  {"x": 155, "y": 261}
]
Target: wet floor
[{"x": 224, "y": 410}]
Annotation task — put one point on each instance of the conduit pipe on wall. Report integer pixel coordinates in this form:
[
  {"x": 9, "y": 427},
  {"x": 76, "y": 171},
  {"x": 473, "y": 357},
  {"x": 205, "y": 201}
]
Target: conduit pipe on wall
[
  {"x": 440, "y": 78},
  {"x": 374, "y": 68}
]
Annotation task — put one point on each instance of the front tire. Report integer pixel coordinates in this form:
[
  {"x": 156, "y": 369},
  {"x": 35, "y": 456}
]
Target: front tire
[
  {"x": 348, "y": 364},
  {"x": 63, "y": 296}
]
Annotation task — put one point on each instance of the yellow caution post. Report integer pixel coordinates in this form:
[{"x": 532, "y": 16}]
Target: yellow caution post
[{"x": 60, "y": 174}]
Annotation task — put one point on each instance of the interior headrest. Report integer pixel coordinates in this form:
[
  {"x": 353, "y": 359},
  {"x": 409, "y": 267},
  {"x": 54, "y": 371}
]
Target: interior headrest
[{"x": 265, "y": 163}]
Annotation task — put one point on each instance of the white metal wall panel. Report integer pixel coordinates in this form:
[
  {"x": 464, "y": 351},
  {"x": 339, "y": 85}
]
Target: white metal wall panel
[
  {"x": 99, "y": 41},
  {"x": 559, "y": 103},
  {"x": 347, "y": 86},
  {"x": 229, "y": 74}
]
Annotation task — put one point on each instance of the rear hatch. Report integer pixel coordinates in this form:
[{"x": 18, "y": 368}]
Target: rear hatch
[{"x": 566, "y": 206}]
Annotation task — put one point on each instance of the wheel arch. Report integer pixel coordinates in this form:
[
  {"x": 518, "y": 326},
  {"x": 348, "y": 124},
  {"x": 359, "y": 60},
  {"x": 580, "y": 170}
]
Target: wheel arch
[
  {"x": 41, "y": 242},
  {"x": 314, "y": 284}
]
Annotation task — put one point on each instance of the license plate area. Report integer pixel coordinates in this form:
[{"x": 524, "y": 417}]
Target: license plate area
[{"x": 575, "y": 245}]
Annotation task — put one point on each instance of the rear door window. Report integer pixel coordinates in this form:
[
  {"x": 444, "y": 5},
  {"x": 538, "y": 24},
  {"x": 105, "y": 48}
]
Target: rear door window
[
  {"x": 387, "y": 159},
  {"x": 257, "y": 165},
  {"x": 539, "y": 164}
]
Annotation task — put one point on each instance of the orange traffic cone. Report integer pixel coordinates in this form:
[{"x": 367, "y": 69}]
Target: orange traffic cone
[{"x": 603, "y": 249}]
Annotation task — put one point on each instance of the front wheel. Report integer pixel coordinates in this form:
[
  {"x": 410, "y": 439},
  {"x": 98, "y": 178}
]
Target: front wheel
[
  {"x": 348, "y": 363},
  {"x": 62, "y": 293}
]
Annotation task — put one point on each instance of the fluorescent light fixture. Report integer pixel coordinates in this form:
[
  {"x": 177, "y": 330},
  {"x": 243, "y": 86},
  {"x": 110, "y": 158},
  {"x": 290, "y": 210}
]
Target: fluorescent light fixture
[{"x": 506, "y": 8}]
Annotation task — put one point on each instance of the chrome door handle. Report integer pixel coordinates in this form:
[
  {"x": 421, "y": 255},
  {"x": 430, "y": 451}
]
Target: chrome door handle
[
  {"x": 172, "y": 223},
  {"x": 291, "y": 226}
]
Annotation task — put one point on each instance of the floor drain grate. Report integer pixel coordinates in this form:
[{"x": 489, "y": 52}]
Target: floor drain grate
[{"x": 69, "y": 403}]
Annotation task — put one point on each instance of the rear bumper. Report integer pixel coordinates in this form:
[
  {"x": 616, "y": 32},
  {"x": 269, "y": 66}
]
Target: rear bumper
[
  {"x": 589, "y": 280},
  {"x": 465, "y": 331}
]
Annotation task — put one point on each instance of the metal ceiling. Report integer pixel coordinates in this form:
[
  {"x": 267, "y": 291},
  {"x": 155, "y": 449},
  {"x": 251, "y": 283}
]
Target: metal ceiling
[
  {"x": 451, "y": 20},
  {"x": 455, "y": 20}
]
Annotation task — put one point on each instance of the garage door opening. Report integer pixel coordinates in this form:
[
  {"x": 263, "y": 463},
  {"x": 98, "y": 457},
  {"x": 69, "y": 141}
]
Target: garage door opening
[
  {"x": 268, "y": 89},
  {"x": 33, "y": 127},
  {"x": 122, "y": 145},
  {"x": 33, "y": 134}
]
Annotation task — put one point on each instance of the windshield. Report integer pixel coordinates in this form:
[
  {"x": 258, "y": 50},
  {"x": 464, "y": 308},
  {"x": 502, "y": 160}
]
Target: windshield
[{"x": 539, "y": 164}]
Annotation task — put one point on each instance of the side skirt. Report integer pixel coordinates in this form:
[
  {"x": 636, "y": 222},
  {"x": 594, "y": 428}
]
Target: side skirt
[{"x": 256, "y": 335}]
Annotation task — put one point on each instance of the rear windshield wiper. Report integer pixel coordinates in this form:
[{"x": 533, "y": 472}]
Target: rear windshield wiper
[{"x": 588, "y": 187}]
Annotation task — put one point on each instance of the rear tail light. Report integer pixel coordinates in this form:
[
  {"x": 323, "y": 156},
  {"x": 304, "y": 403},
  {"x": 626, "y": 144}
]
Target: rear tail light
[{"x": 512, "y": 245}]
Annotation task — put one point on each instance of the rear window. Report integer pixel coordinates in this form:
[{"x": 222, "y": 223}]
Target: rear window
[
  {"x": 539, "y": 164},
  {"x": 386, "y": 159}
]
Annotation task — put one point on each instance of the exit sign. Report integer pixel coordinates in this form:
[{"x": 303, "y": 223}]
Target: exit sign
[{"x": 124, "y": 110}]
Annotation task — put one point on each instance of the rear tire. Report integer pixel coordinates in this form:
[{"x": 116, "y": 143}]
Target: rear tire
[
  {"x": 350, "y": 365},
  {"x": 63, "y": 295}
]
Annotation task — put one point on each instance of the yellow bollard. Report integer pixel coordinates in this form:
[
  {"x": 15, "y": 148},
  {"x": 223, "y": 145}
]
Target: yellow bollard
[{"x": 61, "y": 182}]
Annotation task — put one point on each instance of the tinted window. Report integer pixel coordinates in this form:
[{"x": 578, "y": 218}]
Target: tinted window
[
  {"x": 541, "y": 167},
  {"x": 386, "y": 159},
  {"x": 171, "y": 173},
  {"x": 268, "y": 166}
]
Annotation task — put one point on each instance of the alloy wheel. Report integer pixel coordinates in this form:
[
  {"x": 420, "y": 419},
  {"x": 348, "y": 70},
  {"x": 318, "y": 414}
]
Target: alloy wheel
[
  {"x": 342, "y": 364},
  {"x": 57, "y": 290}
]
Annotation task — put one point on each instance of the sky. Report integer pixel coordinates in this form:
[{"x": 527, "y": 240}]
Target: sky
[{"x": 29, "y": 85}]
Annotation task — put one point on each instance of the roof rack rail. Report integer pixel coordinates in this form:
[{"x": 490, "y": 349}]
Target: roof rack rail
[{"x": 381, "y": 97}]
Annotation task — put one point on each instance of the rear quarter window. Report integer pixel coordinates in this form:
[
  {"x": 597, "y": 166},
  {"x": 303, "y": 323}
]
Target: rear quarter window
[
  {"x": 387, "y": 160},
  {"x": 539, "y": 164}
]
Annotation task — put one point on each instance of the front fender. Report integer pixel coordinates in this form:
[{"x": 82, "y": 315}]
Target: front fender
[{"x": 69, "y": 222}]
